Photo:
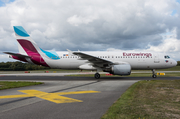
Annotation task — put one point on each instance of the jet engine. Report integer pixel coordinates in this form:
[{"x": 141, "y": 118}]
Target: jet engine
[
  {"x": 123, "y": 69},
  {"x": 119, "y": 69}
]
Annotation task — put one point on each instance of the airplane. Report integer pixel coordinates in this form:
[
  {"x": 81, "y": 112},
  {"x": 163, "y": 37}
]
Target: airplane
[{"x": 117, "y": 63}]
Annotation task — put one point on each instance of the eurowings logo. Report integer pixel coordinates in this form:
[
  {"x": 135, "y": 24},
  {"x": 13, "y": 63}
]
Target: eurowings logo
[
  {"x": 137, "y": 54},
  {"x": 166, "y": 61}
]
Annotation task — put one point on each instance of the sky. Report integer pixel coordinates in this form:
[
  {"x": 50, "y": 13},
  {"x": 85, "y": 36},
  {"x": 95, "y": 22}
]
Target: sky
[{"x": 93, "y": 25}]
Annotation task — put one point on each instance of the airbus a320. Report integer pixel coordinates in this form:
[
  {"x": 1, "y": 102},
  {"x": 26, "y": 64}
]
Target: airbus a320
[{"x": 117, "y": 63}]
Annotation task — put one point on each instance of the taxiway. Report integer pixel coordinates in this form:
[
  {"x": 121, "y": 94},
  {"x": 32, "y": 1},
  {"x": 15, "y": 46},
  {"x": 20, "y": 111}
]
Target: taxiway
[{"x": 62, "y": 97}]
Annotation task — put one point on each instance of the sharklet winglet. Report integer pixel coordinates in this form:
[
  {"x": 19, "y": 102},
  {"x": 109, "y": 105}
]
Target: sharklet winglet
[{"x": 70, "y": 52}]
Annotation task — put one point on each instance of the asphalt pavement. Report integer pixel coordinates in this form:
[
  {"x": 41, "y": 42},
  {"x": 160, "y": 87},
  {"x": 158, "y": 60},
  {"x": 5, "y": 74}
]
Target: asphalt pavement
[{"x": 62, "y": 97}]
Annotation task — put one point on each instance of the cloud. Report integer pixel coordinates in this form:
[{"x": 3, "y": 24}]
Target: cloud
[
  {"x": 92, "y": 25},
  {"x": 169, "y": 46},
  {"x": 78, "y": 20},
  {"x": 170, "y": 43},
  {"x": 5, "y": 58}
]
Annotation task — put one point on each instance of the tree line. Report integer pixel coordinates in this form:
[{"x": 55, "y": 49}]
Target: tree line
[
  {"x": 178, "y": 63},
  {"x": 19, "y": 66}
]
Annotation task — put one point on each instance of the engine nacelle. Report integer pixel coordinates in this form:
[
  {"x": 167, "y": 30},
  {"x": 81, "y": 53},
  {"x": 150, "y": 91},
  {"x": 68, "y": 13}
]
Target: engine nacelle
[{"x": 123, "y": 69}]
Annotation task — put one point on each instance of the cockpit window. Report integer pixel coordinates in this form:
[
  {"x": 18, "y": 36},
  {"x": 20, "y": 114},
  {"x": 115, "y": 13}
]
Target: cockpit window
[{"x": 166, "y": 57}]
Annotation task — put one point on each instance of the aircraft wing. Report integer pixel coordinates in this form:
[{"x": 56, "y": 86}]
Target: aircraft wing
[
  {"x": 97, "y": 62},
  {"x": 17, "y": 55}
]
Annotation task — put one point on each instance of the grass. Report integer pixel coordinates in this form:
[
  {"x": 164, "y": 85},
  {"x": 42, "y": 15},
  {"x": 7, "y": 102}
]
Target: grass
[
  {"x": 13, "y": 84},
  {"x": 42, "y": 71},
  {"x": 132, "y": 75},
  {"x": 150, "y": 74},
  {"x": 176, "y": 68},
  {"x": 155, "y": 99}
]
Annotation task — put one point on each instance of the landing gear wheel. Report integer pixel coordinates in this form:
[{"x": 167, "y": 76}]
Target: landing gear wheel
[
  {"x": 154, "y": 76},
  {"x": 97, "y": 75}
]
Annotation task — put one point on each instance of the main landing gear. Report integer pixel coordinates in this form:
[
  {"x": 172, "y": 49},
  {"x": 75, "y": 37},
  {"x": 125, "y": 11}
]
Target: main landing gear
[
  {"x": 97, "y": 75},
  {"x": 154, "y": 75}
]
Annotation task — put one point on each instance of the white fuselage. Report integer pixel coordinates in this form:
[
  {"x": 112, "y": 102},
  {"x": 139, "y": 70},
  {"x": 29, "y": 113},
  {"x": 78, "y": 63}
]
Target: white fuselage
[{"x": 137, "y": 60}]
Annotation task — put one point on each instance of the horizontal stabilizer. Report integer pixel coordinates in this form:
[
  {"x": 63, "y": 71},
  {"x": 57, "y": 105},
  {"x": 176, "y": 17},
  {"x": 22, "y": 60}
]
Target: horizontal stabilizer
[{"x": 17, "y": 55}]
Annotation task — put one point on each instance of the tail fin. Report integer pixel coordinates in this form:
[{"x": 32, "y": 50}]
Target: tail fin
[
  {"x": 28, "y": 47},
  {"x": 25, "y": 44}
]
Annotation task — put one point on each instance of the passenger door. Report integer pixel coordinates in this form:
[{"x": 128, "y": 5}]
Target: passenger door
[{"x": 156, "y": 58}]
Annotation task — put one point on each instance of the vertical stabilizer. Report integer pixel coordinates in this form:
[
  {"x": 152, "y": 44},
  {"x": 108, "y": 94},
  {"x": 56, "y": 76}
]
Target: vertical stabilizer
[
  {"x": 28, "y": 47},
  {"x": 25, "y": 43}
]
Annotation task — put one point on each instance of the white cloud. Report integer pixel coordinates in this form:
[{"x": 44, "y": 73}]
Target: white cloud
[
  {"x": 5, "y": 58},
  {"x": 77, "y": 20},
  {"x": 170, "y": 46},
  {"x": 93, "y": 25},
  {"x": 170, "y": 43}
]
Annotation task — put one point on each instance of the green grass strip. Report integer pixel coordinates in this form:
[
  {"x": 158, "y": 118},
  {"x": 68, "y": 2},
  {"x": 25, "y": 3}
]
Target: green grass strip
[
  {"x": 132, "y": 75},
  {"x": 16, "y": 84},
  {"x": 155, "y": 99}
]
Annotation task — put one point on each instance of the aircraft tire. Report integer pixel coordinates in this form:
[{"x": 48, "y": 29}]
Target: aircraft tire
[
  {"x": 154, "y": 76},
  {"x": 97, "y": 75}
]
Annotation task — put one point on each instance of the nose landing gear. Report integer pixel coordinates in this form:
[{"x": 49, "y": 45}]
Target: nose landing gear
[{"x": 154, "y": 75}]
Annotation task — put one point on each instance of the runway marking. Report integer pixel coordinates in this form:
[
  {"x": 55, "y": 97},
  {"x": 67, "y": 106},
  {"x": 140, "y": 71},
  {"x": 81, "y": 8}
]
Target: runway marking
[{"x": 53, "y": 97}]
